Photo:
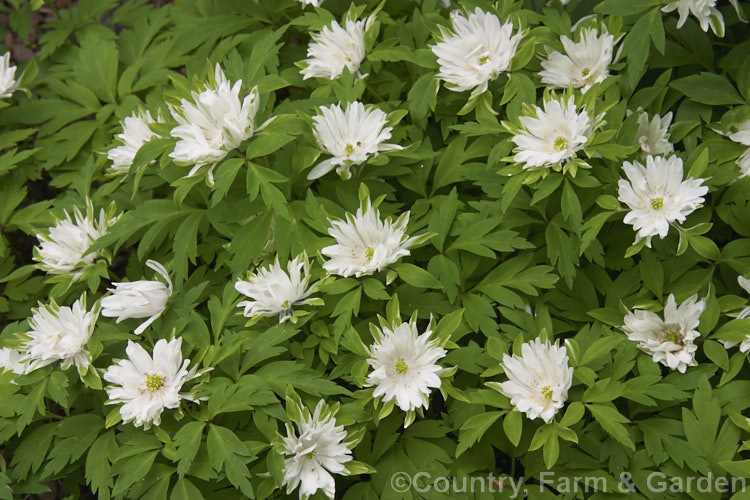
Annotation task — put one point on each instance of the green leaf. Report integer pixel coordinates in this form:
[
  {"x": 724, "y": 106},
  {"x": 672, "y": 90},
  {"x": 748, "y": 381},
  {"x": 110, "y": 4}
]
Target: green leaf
[
  {"x": 708, "y": 88},
  {"x": 573, "y": 414},
  {"x": 474, "y": 428},
  {"x": 416, "y": 276},
  {"x": 185, "y": 490},
  {"x": 187, "y": 441},
  {"x": 620, "y": 8},
  {"x": 228, "y": 454},
  {"x": 611, "y": 421},
  {"x": 422, "y": 97},
  {"x": 513, "y": 426}
]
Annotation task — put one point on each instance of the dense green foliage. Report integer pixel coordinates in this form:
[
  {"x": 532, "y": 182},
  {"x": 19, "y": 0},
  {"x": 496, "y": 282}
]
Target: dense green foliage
[{"x": 511, "y": 253}]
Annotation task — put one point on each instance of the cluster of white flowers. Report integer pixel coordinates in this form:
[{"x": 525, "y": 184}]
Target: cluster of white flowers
[
  {"x": 538, "y": 380},
  {"x": 658, "y": 196},
  {"x": 404, "y": 363},
  {"x": 671, "y": 340},
  {"x": 476, "y": 51},
  {"x": 145, "y": 385}
]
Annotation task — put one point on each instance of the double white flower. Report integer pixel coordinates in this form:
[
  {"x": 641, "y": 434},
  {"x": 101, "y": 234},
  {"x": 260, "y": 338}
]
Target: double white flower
[
  {"x": 139, "y": 299},
  {"x": 404, "y": 365},
  {"x": 583, "y": 64},
  {"x": 62, "y": 249},
  {"x": 135, "y": 133},
  {"x": 274, "y": 291},
  {"x": 336, "y": 48},
  {"x": 59, "y": 334},
  {"x": 742, "y": 136},
  {"x": 538, "y": 380},
  {"x": 365, "y": 244},
  {"x": 10, "y": 360},
  {"x": 704, "y": 11},
  {"x": 315, "y": 453},
  {"x": 477, "y": 50},
  {"x": 146, "y": 386},
  {"x": 657, "y": 196},
  {"x": 214, "y": 124},
  {"x": 669, "y": 341},
  {"x": 653, "y": 135},
  {"x": 350, "y": 136},
  {"x": 553, "y": 135},
  {"x": 8, "y": 83}
]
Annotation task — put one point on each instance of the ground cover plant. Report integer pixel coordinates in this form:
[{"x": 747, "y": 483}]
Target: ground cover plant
[{"x": 374, "y": 249}]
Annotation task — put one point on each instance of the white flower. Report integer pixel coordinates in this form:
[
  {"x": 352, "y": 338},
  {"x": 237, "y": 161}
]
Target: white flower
[
  {"x": 653, "y": 136},
  {"x": 350, "y": 136},
  {"x": 365, "y": 244},
  {"x": 274, "y": 291},
  {"x": 742, "y": 136},
  {"x": 336, "y": 48},
  {"x": 10, "y": 360},
  {"x": 135, "y": 133},
  {"x": 147, "y": 385},
  {"x": 139, "y": 299},
  {"x": 705, "y": 12},
  {"x": 214, "y": 124},
  {"x": 60, "y": 334},
  {"x": 668, "y": 340},
  {"x": 744, "y": 163},
  {"x": 314, "y": 3},
  {"x": 657, "y": 196},
  {"x": 554, "y": 135},
  {"x": 315, "y": 454},
  {"x": 584, "y": 63},
  {"x": 61, "y": 249},
  {"x": 8, "y": 83},
  {"x": 538, "y": 380},
  {"x": 404, "y": 365},
  {"x": 475, "y": 51},
  {"x": 744, "y": 313}
]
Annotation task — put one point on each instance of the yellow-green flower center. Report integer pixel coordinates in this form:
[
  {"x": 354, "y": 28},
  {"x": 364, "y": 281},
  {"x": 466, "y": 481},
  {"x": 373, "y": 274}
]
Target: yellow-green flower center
[
  {"x": 586, "y": 71},
  {"x": 154, "y": 382},
  {"x": 401, "y": 366},
  {"x": 561, "y": 143},
  {"x": 349, "y": 149},
  {"x": 484, "y": 59},
  {"x": 547, "y": 392},
  {"x": 672, "y": 336},
  {"x": 311, "y": 455},
  {"x": 369, "y": 253},
  {"x": 657, "y": 203}
]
